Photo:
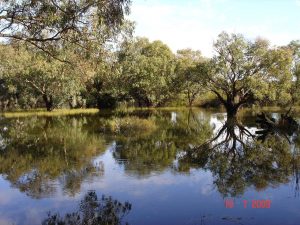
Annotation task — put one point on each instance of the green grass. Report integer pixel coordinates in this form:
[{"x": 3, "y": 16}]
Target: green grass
[
  {"x": 65, "y": 112},
  {"x": 129, "y": 125},
  {"x": 56, "y": 112}
]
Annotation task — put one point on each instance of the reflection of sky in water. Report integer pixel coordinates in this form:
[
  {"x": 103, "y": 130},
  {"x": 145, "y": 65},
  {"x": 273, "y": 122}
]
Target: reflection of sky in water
[
  {"x": 164, "y": 197},
  {"x": 218, "y": 120},
  {"x": 157, "y": 199}
]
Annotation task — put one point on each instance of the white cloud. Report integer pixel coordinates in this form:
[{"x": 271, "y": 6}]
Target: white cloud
[
  {"x": 180, "y": 26},
  {"x": 196, "y": 24}
]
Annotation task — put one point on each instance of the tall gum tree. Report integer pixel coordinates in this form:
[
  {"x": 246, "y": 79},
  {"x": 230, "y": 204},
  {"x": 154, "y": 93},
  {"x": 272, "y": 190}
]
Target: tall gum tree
[
  {"x": 148, "y": 71},
  {"x": 45, "y": 78},
  {"x": 189, "y": 76},
  {"x": 294, "y": 46},
  {"x": 242, "y": 72}
]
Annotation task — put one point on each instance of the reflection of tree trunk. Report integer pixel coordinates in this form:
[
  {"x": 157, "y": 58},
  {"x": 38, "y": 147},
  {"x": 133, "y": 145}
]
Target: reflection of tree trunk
[
  {"x": 48, "y": 122},
  {"x": 296, "y": 173},
  {"x": 65, "y": 152},
  {"x": 48, "y": 102},
  {"x": 189, "y": 115},
  {"x": 229, "y": 137}
]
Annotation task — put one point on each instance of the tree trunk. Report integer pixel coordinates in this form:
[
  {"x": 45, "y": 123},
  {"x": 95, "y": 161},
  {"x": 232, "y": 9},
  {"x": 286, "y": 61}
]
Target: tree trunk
[
  {"x": 191, "y": 102},
  {"x": 231, "y": 106},
  {"x": 231, "y": 109},
  {"x": 48, "y": 102},
  {"x": 190, "y": 99},
  {"x": 73, "y": 102}
]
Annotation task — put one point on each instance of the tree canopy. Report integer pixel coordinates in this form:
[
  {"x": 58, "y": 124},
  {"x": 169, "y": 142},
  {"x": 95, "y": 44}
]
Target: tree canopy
[
  {"x": 242, "y": 72},
  {"x": 138, "y": 72},
  {"x": 148, "y": 70},
  {"x": 47, "y": 24},
  {"x": 190, "y": 71}
]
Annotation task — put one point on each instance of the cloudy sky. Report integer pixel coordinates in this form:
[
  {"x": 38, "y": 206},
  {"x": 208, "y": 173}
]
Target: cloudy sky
[{"x": 196, "y": 23}]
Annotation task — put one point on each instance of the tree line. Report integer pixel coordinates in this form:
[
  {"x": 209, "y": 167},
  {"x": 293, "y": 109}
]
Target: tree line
[{"x": 83, "y": 54}]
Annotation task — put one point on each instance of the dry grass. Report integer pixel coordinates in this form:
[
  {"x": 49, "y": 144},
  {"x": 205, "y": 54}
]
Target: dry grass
[{"x": 43, "y": 113}]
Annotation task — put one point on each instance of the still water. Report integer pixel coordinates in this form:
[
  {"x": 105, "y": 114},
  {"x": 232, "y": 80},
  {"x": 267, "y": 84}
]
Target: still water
[{"x": 147, "y": 167}]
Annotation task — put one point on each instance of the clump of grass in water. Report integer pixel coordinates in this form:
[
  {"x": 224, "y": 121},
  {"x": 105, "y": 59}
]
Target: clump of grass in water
[
  {"x": 129, "y": 125},
  {"x": 56, "y": 112}
]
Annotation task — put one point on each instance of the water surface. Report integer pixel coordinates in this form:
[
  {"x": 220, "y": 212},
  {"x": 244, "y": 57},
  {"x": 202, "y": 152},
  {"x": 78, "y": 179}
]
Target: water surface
[{"x": 146, "y": 167}]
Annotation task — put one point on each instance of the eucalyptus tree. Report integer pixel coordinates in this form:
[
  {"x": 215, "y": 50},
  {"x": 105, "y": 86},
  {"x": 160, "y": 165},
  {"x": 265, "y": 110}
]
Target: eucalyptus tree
[
  {"x": 190, "y": 77},
  {"x": 294, "y": 46},
  {"x": 34, "y": 72},
  {"x": 100, "y": 68},
  {"x": 147, "y": 70},
  {"x": 243, "y": 71},
  {"x": 101, "y": 87}
]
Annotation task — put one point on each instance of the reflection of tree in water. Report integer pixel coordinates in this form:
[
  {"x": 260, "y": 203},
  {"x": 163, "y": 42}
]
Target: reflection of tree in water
[
  {"x": 157, "y": 151},
  {"x": 296, "y": 164},
  {"x": 238, "y": 159},
  {"x": 236, "y": 155},
  {"x": 93, "y": 211},
  {"x": 286, "y": 127},
  {"x": 37, "y": 152}
]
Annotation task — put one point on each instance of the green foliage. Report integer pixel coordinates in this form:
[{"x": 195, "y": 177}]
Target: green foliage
[
  {"x": 243, "y": 72},
  {"x": 294, "y": 46},
  {"x": 46, "y": 79},
  {"x": 60, "y": 47},
  {"x": 190, "y": 75},
  {"x": 136, "y": 72},
  {"x": 102, "y": 89},
  {"x": 48, "y": 24},
  {"x": 129, "y": 126},
  {"x": 147, "y": 70}
]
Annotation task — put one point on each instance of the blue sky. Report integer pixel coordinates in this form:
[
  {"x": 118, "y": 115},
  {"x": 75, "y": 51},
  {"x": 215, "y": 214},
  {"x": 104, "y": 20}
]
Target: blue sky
[{"x": 196, "y": 23}]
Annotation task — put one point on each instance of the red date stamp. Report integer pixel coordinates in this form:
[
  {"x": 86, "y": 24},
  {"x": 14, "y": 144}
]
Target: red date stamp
[{"x": 255, "y": 204}]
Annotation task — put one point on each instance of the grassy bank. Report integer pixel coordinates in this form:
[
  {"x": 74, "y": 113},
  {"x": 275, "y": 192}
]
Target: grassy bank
[
  {"x": 56, "y": 112},
  {"x": 65, "y": 112}
]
